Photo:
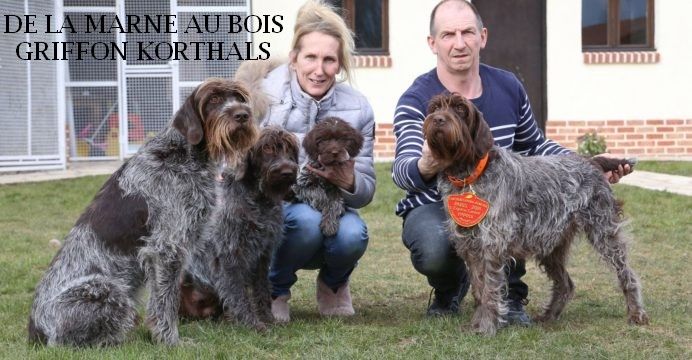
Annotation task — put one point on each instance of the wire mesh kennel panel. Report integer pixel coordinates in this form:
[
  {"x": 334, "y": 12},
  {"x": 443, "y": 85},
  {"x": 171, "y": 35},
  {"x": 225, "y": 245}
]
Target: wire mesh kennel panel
[
  {"x": 92, "y": 87},
  {"x": 30, "y": 98}
]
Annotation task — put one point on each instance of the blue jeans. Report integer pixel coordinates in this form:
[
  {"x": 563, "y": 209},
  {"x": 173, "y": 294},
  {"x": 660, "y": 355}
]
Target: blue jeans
[
  {"x": 432, "y": 255},
  {"x": 304, "y": 247}
]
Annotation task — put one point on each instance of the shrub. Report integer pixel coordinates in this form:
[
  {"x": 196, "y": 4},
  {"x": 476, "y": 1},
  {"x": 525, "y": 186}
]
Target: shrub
[{"x": 591, "y": 144}]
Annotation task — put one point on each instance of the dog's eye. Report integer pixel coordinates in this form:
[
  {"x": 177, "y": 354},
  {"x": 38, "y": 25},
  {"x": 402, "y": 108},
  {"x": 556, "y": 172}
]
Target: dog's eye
[
  {"x": 268, "y": 149},
  {"x": 215, "y": 99}
]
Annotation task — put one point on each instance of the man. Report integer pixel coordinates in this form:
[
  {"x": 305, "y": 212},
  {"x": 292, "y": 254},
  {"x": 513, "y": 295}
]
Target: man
[{"x": 456, "y": 37}]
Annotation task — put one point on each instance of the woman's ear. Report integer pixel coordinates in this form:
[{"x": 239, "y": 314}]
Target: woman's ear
[{"x": 292, "y": 58}]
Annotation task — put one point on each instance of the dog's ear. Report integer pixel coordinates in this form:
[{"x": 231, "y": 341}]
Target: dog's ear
[
  {"x": 291, "y": 142},
  {"x": 188, "y": 122},
  {"x": 355, "y": 142},
  {"x": 310, "y": 144},
  {"x": 480, "y": 131}
]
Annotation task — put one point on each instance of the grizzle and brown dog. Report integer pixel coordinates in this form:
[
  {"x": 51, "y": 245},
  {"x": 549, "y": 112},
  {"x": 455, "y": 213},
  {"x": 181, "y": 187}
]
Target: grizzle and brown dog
[
  {"x": 504, "y": 206},
  {"x": 141, "y": 225}
]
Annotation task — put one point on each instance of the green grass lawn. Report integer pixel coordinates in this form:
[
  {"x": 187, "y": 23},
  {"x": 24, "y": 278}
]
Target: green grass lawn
[
  {"x": 683, "y": 168},
  {"x": 389, "y": 296}
]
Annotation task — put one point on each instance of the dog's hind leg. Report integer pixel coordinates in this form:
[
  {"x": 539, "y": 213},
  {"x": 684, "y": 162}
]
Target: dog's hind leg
[
  {"x": 488, "y": 281},
  {"x": 331, "y": 214},
  {"x": 95, "y": 311},
  {"x": 613, "y": 249},
  {"x": 563, "y": 287}
]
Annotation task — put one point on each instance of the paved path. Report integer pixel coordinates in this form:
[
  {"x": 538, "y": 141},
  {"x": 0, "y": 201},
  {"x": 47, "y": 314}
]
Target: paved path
[{"x": 654, "y": 181}]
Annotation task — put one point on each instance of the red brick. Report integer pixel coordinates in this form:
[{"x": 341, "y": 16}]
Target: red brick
[
  {"x": 615, "y": 123},
  {"x": 654, "y": 136},
  {"x": 654, "y": 122},
  {"x": 634, "y": 136},
  {"x": 625, "y": 129},
  {"x": 675, "y": 122},
  {"x": 665, "y": 143},
  {"x": 665, "y": 129},
  {"x": 675, "y": 150},
  {"x": 644, "y": 129}
]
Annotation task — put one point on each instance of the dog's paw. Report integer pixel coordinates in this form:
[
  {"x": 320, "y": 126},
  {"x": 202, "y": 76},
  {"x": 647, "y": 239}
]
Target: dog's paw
[
  {"x": 544, "y": 318},
  {"x": 260, "y": 327},
  {"x": 639, "y": 318},
  {"x": 167, "y": 337},
  {"x": 329, "y": 228},
  {"x": 485, "y": 328}
]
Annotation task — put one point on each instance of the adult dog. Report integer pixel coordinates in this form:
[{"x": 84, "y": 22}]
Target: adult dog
[
  {"x": 504, "y": 206},
  {"x": 330, "y": 142},
  {"x": 141, "y": 224}
]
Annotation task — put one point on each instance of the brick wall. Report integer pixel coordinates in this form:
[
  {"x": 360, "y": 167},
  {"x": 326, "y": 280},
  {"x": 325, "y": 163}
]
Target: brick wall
[
  {"x": 384, "y": 142},
  {"x": 645, "y": 139}
]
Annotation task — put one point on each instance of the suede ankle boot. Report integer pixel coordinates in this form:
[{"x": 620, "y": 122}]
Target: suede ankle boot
[
  {"x": 330, "y": 303},
  {"x": 280, "y": 309}
]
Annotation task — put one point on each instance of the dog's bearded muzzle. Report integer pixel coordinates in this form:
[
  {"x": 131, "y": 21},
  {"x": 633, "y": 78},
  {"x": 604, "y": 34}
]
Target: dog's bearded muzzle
[
  {"x": 280, "y": 176},
  {"x": 231, "y": 131},
  {"x": 443, "y": 133}
]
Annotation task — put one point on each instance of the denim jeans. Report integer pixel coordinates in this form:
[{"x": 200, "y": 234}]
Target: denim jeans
[
  {"x": 432, "y": 255},
  {"x": 304, "y": 247}
]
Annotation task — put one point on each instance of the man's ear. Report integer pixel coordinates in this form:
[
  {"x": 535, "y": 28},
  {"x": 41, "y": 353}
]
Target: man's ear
[
  {"x": 188, "y": 122},
  {"x": 431, "y": 44},
  {"x": 484, "y": 37}
]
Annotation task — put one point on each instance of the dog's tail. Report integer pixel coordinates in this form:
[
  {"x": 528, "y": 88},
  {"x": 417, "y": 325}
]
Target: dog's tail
[
  {"x": 611, "y": 164},
  {"x": 92, "y": 311},
  {"x": 251, "y": 73}
]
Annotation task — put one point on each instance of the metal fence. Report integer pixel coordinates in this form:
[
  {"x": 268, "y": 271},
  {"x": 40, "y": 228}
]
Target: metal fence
[
  {"x": 109, "y": 106},
  {"x": 32, "y": 113}
]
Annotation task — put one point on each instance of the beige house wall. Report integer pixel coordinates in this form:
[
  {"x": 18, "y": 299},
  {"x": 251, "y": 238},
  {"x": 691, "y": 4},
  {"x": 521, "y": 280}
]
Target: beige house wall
[{"x": 644, "y": 109}]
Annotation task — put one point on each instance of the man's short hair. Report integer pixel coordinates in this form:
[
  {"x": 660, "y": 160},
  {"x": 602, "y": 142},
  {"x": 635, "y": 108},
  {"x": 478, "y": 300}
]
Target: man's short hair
[{"x": 479, "y": 21}]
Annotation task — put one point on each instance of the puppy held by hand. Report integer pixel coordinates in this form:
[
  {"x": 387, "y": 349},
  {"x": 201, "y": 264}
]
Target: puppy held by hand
[{"x": 331, "y": 143}]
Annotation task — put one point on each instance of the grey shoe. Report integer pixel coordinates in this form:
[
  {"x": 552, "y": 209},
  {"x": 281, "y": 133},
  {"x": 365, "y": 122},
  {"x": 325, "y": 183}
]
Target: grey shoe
[
  {"x": 516, "y": 314},
  {"x": 447, "y": 303}
]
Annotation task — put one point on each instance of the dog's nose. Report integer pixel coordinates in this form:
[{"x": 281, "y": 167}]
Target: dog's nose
[
  {"x": 438, "y": 120},
  {"x": 241, "y": 116},
  {"x": 288, "y": 172},
  {"x": 289, "y": 175}
]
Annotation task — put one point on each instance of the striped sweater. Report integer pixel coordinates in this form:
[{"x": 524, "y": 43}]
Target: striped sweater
[{"x": 505, "y": 107}]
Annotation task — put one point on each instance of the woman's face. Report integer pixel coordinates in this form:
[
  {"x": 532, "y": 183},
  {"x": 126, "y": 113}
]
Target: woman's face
[{"x": 317, "y": 63}]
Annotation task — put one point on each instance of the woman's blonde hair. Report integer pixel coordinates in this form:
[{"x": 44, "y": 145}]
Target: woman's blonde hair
[{"x": 314, "y": 16}]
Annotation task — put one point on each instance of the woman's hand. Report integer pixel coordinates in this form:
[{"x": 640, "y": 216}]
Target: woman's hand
[{"x": 341, "y": 175}]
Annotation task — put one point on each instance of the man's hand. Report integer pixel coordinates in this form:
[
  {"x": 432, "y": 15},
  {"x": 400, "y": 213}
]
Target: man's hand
[
  {"x": 428, "y": 166},
  {"x": 614, "y": 176},
  {"x": 341, "y": 175}
]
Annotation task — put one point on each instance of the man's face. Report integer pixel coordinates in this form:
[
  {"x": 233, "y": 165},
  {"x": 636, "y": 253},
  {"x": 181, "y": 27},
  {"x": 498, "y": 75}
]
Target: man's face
[{"x": 457, "y": 41}]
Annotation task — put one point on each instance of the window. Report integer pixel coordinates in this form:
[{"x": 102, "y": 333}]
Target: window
[
  {"x": 369, "y": 21},
  {"x": 620, "y": 25}
]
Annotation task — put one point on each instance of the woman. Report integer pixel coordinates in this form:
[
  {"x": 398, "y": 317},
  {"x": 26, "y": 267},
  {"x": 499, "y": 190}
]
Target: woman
[{"x": 301, "y": 93}]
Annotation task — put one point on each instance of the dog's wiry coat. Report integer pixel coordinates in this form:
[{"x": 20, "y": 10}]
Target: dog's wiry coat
[
  {"x": 331, "y": 142},
  {"x": 142, "y": 223},
  {"x": 537, "y": 206},
  {"x": 248, "y": 226}
]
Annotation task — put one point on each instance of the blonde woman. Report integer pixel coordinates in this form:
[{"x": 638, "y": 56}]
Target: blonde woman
[{"x": 301, "y": 93}]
